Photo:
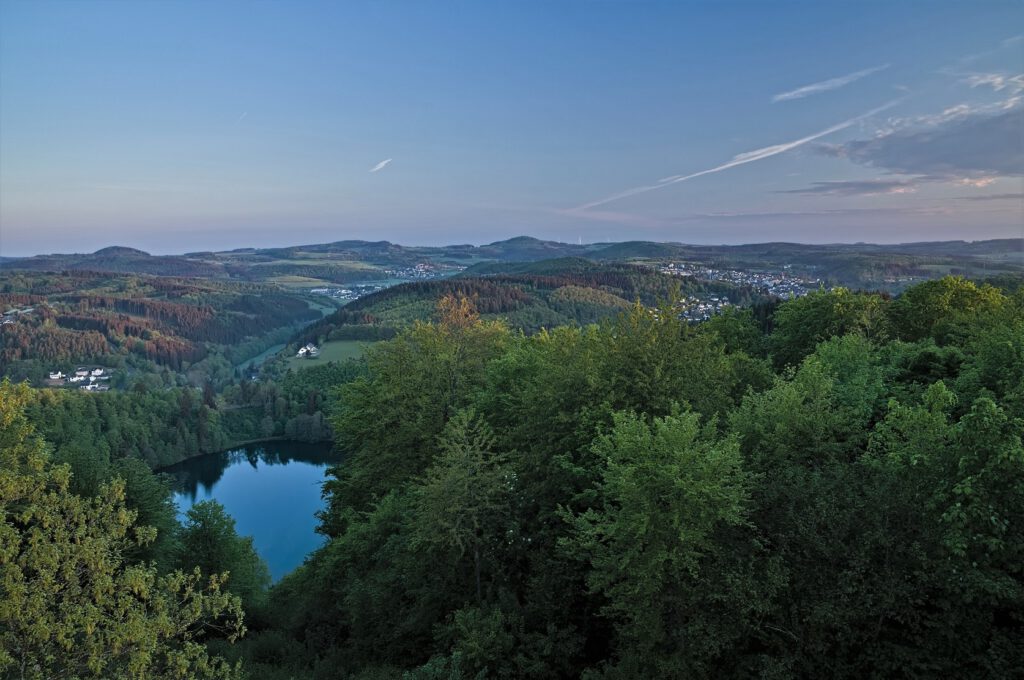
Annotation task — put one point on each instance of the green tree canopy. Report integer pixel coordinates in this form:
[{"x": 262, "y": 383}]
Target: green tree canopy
[
  {"x": 210, "y": 543},
  {"x": 800, "y": 324},
  {"x": 71, "y": 606}
]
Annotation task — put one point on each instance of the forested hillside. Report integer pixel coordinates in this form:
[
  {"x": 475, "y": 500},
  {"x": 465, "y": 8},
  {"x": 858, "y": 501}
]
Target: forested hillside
[
  {"x": 528, "y": 296},
  {"x": 74, "y": 317},
  {"x": 164, "y": 426},
  {"x": 843, "y": 496},
  {"x": 835, "y": 490}
]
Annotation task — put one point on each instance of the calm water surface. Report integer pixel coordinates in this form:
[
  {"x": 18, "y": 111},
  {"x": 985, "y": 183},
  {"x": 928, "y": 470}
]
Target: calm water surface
[{"x": 271, "y": 489}]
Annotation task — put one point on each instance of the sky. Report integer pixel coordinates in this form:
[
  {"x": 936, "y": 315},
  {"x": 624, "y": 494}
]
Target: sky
[{"x": 176, "y": 126}]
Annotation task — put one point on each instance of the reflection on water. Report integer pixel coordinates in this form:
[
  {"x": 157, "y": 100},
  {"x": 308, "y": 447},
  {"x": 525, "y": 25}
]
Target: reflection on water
[
  {"x": 203, "y": 472},
  {"x": 271, "y": 489}
]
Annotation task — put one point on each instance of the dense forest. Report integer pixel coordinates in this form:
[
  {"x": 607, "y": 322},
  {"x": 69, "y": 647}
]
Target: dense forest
[
  {"x": 164, "y": 425},
  {"x": 74, "y": 317},
  {"x": 833, "y": 486}
]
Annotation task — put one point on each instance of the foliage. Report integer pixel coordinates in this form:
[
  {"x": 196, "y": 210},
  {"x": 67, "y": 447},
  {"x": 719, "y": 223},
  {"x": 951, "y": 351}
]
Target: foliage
[
  {"x": 669, "y": 490},
  {"x": 641, "y": 498},
  {"x": 943, "y": 308},
  {"x": 464, "y": 498},
  {"x": 827, "y": 486},
  {"x": 801, "y": 324},
  {"x": 209, "y": 542},
  {"x": 71, "y": 606},
  {"x": 390, "y": 419}
]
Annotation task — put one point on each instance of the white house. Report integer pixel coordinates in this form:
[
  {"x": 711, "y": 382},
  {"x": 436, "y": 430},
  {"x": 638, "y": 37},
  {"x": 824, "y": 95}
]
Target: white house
[
  {"x": 97, "y": 372},
  {"x": 56, "y": 375},
  {"x": 82, "y": 372},
  {"x": 76, "y": 378},
  {"x": 308, "y": 352}
]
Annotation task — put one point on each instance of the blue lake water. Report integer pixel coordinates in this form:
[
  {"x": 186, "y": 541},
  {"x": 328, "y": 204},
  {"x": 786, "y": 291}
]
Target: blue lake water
[{"x": 272, "y": 490}]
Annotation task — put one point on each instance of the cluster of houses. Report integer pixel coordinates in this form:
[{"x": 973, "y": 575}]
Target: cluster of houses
[
  {"x": 784, "y": 284},
  {"x": 348, "y": 294},
  {"x": 424, "y": 270},
  {"x": 91, "y": 379},
  {"x": 310, "y": 351},
  {"x": 702, "y": 310}
]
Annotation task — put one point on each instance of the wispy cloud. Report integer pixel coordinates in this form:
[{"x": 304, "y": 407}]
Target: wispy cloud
[
  {"x": 997, "y": 81},
  {"x": 993, "y": 197},
  {"x": 864, "y": 187},
  {"x": 683, "y": 220},
  {"x": 919, "y": 210},
  {"x": 1008, "y": 43},
  {"x": 380, "y": 166},
  {"x": 739, "y": 159},
  {"x": 827, "y": 85},
  {"x": 972, "y": 147},
  {"x": 976, "y": 182}
]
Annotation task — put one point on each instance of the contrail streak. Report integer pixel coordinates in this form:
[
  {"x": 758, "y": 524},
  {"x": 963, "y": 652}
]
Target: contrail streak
[{"x": 739, "y": 159}]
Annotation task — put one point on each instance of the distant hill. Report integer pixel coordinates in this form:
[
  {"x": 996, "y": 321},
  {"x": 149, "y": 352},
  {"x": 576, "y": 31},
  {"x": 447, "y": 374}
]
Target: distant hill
[
  {"x": 629, "y": 250},
  {"x": 556, "y": 266},
  {"x": 528, "y": 248},
  {"x": 354, "y": 261},
  {"x": 1001, "y": 247},
  {"x": 119, "y": 259}
]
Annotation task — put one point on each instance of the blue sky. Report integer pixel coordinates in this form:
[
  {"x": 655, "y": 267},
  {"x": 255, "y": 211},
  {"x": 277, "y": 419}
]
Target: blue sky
[{"x": 179, "y": 126}]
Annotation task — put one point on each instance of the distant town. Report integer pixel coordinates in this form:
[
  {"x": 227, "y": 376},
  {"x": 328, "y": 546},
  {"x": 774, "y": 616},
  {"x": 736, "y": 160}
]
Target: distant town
[
  {"x": 418, "y": 272},
  {"x": 782, "y": 284},
  {"x": 349, "y": 293},
  {"x": 425, "y": 270}
]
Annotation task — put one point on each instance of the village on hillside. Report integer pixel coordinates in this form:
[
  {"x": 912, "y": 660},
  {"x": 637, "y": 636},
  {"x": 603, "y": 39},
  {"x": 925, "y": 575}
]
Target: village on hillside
[
  {"x": 783, "y": 284},
  {"x": 90, "y": 379}
]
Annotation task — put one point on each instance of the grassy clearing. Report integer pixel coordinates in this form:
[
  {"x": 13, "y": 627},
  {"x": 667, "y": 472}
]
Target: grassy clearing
[
  {"x": 335, "y": 350},
  {"x": 324, "y": 305},
  {"x": 291, "y": 281}
]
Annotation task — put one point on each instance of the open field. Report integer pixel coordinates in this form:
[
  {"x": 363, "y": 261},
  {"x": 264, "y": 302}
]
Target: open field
[
  {"x": 290, "y": 281},
  {"x": 335, "y": 350}
]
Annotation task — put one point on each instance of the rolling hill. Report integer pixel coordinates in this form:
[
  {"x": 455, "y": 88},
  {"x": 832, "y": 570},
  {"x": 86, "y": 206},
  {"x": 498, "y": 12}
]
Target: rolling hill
[
  {"x": 528, "y": 295},
  {"x": 351, "y": 261}
]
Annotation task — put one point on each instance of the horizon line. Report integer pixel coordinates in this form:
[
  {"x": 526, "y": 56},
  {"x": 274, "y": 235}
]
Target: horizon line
[{"x": 4, "y": 258}]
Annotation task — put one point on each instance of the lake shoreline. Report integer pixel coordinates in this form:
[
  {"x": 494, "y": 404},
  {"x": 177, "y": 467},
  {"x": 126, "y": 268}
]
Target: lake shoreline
[
  {"x": 242, "y": 444},
  {"x": 272, "y": 489}
]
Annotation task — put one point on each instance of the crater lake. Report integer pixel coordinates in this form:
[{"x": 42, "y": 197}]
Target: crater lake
[{"x": 271, "y": 489}]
